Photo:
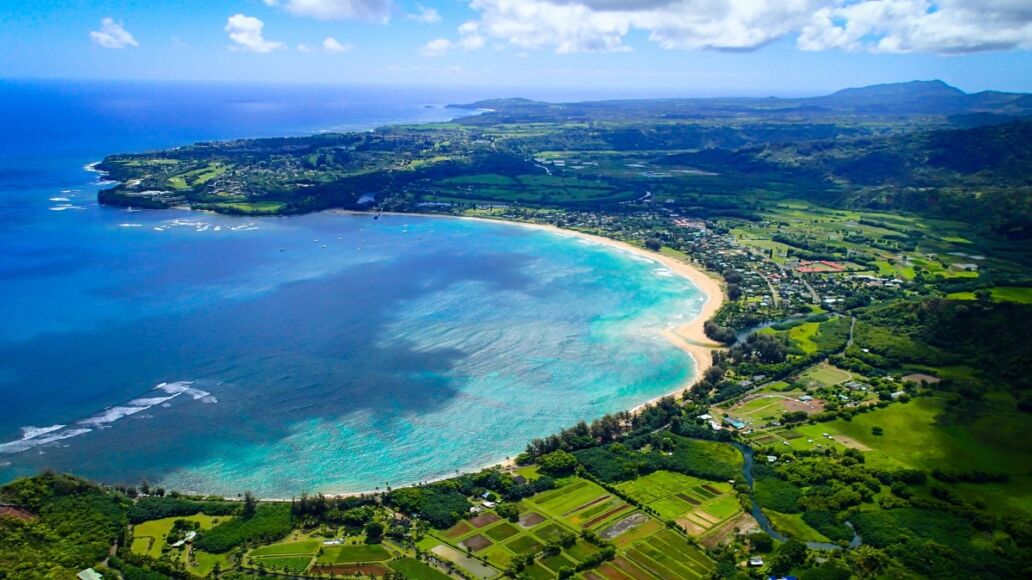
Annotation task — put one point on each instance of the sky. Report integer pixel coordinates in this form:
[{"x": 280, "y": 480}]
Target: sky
[{"x": 618, "y": 47}]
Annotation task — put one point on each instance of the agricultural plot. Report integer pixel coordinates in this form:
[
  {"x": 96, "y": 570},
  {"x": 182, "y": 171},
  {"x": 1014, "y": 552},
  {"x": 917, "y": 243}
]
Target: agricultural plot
[
  {"x": 666, "y": 555},
  {"x": 695, "y": 504},
  {"x": 352, "y": 554},
  {"x": 416, "y": 570},
  {"x": 308, "y": 547}
]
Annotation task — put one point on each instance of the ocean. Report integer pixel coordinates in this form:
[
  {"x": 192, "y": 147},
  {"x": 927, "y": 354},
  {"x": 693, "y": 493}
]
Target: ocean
[{"x": 319, "y": 353}]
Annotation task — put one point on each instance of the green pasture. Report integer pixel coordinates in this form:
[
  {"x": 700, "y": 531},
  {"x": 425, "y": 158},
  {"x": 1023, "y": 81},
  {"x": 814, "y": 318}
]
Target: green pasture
[
  {"x": 824, "y": 375},
  {"x": 918, "y": 434},
  {"x": 1020, "y": 295},
  {"x": 149, "y": 537}
]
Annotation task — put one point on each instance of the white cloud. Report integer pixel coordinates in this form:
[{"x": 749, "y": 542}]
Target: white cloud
[
  {"x": 425, "y": 15},
  {"x": 469, "y": 39},
  {"x": 940, "y": 26},
  {"x": 437, "y": 47},
  {"x": 112, "y": 35},
  {"x": 246, "y": 33},
  {"x": 943, "y": 26},
  {"x": 374, "y": 10},
  {"x": 331, "y": 46}
]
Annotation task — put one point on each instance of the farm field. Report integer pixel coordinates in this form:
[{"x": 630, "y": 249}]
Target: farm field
[
  {"x": 695, "y": 504},
  {"x": 583, "y": 505}
]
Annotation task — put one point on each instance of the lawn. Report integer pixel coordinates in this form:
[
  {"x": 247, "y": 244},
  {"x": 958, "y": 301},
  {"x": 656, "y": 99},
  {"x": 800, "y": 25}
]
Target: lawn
[
  {"x": 149, "y": 537},
  {"x": 206, "y": 563}
]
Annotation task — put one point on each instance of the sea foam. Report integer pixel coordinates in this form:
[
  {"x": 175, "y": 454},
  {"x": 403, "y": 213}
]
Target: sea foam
[{"x": 37, "y": 436}]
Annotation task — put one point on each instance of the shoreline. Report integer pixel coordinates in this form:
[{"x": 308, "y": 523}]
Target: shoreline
[{"x": 688, "y": 337}]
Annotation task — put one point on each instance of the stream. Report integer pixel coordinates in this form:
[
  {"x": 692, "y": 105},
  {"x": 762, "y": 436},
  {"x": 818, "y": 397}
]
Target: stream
[{"x": 761, "y": 518}]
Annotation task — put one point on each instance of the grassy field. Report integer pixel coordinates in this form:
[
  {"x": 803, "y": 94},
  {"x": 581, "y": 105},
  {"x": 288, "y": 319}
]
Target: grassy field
[
  {"x": 416, "y": 570},
  {"x": 149, "y": 537},
  {"x": 308, "y": 547},
  {"x": 793, "y": 526},
  {"x": 352, "y": 554},
  {"x": 824, "y": 375},
  {"x": 288, "y": 564},
  {"x": 1020, "y": 295}
]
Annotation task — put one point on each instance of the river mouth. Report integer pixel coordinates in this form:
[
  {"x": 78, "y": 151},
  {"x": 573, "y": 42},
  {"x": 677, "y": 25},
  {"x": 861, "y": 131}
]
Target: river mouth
[{"x": 326, "y": 352}]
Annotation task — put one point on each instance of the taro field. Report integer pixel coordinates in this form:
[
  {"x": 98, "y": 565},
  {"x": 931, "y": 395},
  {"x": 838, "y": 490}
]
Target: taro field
[{"x": 486, "y": 544}]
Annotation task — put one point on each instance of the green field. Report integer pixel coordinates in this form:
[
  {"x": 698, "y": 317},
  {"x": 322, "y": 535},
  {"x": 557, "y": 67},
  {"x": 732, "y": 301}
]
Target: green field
[
  {"x": 918, "y": 434},
  {"x": 824, "y": 375},
  {"x": 149, "y": 537},
  {"x": 793, "y": 526},
  {"x": 289, "y": 564},
  {"x": 1021, "y": 295},
  {"x": 288, "y": 549},
  {"x": 683, "y": 499},
  {"x": 353, "y": 554},
  {"x": 415, "y": 570}
]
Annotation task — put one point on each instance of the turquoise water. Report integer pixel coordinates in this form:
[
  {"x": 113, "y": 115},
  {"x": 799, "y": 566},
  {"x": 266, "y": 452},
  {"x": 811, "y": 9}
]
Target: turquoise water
[{"x": 314, "y": 353}]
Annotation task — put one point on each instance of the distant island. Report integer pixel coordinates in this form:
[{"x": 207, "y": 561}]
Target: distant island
[{"x": 865, "y": 416}]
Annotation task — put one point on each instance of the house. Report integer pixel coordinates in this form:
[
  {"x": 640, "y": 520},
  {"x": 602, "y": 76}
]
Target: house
[
  {"x": 489, "y": 504},
  {"x": 333, "y": 542},
  {"x": 771, "y": 458},
  {"x": 89, "y": 574},
  {"x": 897, "y": 394},
  {"x": 519, "y": 479},
  {"x": 805, "y": 399},
  {"x": 705, "y": 417},
  {"x": 715, "y": 426},
  {"x": 755, "y": 562},
  {"x": 734, "y": 423}
]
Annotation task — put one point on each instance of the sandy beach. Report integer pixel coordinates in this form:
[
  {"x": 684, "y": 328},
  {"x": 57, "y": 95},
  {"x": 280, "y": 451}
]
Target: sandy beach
[{"x": 689, "y": 337}]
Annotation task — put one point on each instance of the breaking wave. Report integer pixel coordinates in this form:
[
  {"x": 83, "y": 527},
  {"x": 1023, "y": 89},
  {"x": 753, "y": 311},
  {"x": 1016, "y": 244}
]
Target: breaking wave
[{"x": 37, "y": 436}]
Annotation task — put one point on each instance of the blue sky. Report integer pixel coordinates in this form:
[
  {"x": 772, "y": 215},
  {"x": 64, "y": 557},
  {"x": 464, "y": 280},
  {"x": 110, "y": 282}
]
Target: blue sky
[{"x": 626, "y": 47}]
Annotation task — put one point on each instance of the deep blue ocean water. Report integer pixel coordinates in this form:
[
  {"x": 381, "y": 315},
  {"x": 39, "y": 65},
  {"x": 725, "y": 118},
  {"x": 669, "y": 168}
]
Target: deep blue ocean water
[{"x": 314, "y": 353}]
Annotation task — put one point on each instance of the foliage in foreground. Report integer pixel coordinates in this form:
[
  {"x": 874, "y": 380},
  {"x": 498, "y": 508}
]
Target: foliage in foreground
[
  {"x": 71, "y": 524},
  {"x": 269, "y": 522}
]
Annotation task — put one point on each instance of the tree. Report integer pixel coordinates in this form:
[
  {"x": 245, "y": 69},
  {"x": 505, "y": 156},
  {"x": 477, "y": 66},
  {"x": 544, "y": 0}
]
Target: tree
[
  {"x": 789, "y": 554},
  {"x": 877, "y": 431},
  {"x": 508, "y": 511},
  {"x": 983, "y": 296},
  {"x": 250, "y": 504},
  {"x": 374, "y": 532},
  {"x": 557, "y": 462},
  {"x": 761, "y": 542}
]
